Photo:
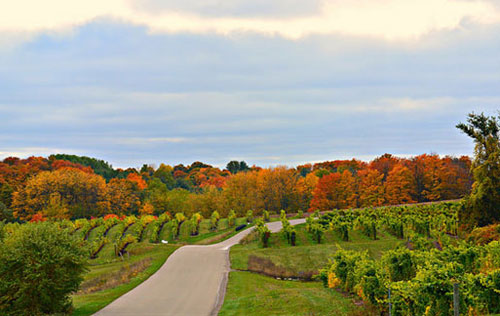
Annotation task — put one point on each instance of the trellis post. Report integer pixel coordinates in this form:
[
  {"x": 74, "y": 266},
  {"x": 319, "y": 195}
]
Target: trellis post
[{"x": 456, "y": 300}]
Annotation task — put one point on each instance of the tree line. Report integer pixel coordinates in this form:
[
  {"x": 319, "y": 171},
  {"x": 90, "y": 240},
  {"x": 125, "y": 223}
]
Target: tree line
[{"x": 69, "y": 187}]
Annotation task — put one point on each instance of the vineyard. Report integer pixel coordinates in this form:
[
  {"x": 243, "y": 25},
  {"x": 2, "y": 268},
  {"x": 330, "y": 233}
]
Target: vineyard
[
  {"x": 366, "y": 263},
  {"x": 124, "y": 251},
  {"x": 110, "y": 236}
]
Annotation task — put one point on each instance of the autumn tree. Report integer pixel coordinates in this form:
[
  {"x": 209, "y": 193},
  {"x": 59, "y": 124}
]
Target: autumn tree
[
  {"x": 400, "y": 186},
  {"x": 384, "y": 164},
  {"x": 83, "y": 194},
  {"x": 277, "y": 188},
  {"x": 209, "y": 201},
  {"x": 305, "y": 187},
  {"x": 139, "y": 181},
  {"x": 146, "y": 209},
  {"x": 327, "y": 193},
  {"x": 371, "y": 188},
  {"x": 242, "y": 193},
  {"x": 123, "y": 196},
  {"x": 482, "y": 206},
  {"x": 348, "y": 187}
]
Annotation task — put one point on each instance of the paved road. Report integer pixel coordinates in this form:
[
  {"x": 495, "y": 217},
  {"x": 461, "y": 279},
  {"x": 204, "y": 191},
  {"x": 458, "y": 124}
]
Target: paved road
[{"x": 192, "y": 282}]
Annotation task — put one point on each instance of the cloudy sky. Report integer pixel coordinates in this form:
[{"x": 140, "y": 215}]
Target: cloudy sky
[{"x": 268, "y": 82}]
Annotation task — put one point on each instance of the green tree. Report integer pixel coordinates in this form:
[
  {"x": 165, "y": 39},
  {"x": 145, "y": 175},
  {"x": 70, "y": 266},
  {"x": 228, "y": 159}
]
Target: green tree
[
  {"x": 5, "y": 213},
  {"x": 235, "y": 166},
  {"x": 165, "y": 174},
  {"x": 481, "y": 207},
  {"x": 40, "y": 265},
  {"x": 100, "y": 167}
]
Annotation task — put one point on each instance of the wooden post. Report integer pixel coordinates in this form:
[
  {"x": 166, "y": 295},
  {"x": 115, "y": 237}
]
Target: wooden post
[
  {"x": 456, "y": 300},
  {"x": 390, "y": 303}
]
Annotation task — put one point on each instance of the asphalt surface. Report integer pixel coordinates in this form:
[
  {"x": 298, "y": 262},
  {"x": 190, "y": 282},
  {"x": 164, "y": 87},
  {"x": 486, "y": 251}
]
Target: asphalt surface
[{"x": 192, "y": 282}]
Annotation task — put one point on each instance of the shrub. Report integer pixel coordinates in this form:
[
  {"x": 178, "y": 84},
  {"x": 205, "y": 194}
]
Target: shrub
[
  {"x": 249, "y": 216},
  {"x": 40, "y": 265},
  {"x": 214, "y": 219},
  {"x": 343, "y": 269},
  {"x": 231, "y": 218},
  {"x": 97, "y": 245},
  {"x": 195, "y": 223},
  {"x": 317, "y": 232},
  {"x": 486, "y": 234},
  {"x": 158, "y": 226},
  {"x": 263, "y": 231},
  {"x": 143, "y": 223},
  {"x": 399, "y": 264},
  {"x": 176, "y": 224},
  {"x": 265, "y": 216},
  {"x": 122, "y": 244},
  {"x": 110, "y": 220}
]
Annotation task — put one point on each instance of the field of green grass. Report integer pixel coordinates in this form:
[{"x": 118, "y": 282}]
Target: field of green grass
[
  {"x": 117, "y": 277},
  {"x": 307, "y": 255},
  {"x": 253, "y": 294},
  {"x": 257, "y": 294}
]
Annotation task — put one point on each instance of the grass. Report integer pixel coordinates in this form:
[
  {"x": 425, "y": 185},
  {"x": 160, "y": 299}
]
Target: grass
[
  {"x": 88, "y": 304},
  {"x": 307, "y": 256},
  {"x": 253, "y": 294}
]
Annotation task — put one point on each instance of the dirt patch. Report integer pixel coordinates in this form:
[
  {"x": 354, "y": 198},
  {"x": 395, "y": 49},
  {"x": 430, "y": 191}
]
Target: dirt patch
[
  {"x": 267, "y": 267},
  {"x": 116, "y": 278}
]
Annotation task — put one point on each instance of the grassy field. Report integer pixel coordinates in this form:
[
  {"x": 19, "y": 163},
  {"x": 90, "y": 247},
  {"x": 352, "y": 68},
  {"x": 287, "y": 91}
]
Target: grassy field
[
  {"x": 121, "y": 275},
  {"x": 307, "y": 256},
  {"x": 256, "y": 294},
  {"x": 253, "y": 294}
]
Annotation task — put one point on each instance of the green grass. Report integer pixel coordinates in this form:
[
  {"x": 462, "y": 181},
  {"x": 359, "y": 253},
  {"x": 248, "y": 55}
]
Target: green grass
[
  {"x": 87, "y": 304},
  {"x": 307, "y": 255},
  {"x": 253, "y": 294}
]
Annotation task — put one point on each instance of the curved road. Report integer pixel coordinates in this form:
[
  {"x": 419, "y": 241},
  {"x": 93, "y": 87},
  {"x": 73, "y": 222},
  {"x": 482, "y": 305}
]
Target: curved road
[{"x": 192, "y": 282}]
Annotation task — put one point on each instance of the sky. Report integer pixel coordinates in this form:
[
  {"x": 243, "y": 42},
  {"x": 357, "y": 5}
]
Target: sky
[{"x": 278, "y": 82}]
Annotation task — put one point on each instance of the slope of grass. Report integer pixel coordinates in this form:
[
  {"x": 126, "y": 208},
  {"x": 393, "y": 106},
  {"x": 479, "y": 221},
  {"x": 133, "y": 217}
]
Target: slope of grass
[
  {"x": 253, "y": 294},
  {"x": 307, "y": 255},
  {"x": 156, "y": 255}
]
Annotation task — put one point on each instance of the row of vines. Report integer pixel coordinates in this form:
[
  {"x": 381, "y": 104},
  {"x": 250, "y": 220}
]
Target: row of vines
[{"x": 421, "y": 272}]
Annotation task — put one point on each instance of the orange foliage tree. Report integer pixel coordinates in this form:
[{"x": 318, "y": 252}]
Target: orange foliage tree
[
  {"x": 80, "y": 193},
  {"x": 122, "y": 196},
  {"x": 137, "y": 179},
  {"x": 327, "y": 193},
  {"x": 371, "y": 192},
  {"x": 400, "y": 186}
]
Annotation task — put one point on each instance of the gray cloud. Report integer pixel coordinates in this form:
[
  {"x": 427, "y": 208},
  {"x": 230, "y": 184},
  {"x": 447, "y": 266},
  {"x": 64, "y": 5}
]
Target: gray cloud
[
  {"x": 232, "y": 8},
  {"x": 115, "y": 92}
]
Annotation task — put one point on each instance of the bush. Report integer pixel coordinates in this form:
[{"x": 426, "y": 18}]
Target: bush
[
  {"x": 399, "y": 264},
  {"x": 249, "y": 216},
  {"x": 231, "y": 218},
  {"x": 343, "y": 270},
  {"x": 40, "y": 265},
  {"x": 263, "y": 231},
  {"x": 265, "y": 216},
  {"x": 214, "y": 219}
]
